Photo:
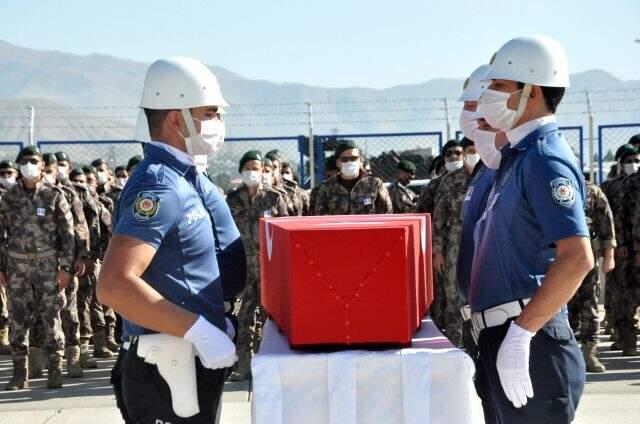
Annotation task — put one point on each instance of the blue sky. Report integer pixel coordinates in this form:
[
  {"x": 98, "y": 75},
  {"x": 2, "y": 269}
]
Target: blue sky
[{"x": 332, "y": 43}]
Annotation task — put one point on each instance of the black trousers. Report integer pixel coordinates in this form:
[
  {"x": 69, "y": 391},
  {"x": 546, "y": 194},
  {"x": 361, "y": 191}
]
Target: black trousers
[
  {"x": 143, "y": 396},
  {"x": 557, "y": 372}
]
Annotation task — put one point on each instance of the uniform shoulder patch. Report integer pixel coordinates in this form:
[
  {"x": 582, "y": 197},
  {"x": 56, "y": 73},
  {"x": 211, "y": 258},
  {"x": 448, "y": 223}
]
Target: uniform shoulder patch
[
  {"x": 146, "y": 206},
  {"x": 563, "y": 192}
]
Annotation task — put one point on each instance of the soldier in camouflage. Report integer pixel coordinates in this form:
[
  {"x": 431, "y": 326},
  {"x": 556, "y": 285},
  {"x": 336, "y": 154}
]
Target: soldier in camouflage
[
  {"x": 616, "y": 279},
  {"x": 447, "y": 227},
  {"x": 36, "y": 266},
  {"x": 105, "y": 186},
  {"x": 103, "y": 331},
  {"x": 248, "y": 203},
  {"x": 293, "y": 195},
  {"x": 629, "y": 294},
  {"x": 403, "y": 198},
  {"x": 427, "y": 199},
  {"x": 352, "y": 191},
  {"x": 583, "y": 307},
  {"x": 302, "y": 200},
  {"x": 330, "y": 171},
  {"x": 8, "y": 175}
]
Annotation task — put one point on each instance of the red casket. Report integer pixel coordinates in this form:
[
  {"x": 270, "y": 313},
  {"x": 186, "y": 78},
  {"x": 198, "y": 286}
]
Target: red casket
[{"x": 346, "y": 279}]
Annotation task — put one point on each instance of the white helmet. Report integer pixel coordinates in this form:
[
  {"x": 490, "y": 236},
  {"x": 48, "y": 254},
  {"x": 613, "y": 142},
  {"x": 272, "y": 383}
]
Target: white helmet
[
  {"x": 535, "y": 60},
  {"x": 475, "y": 85},
  {"x": 177, "y": 83}
]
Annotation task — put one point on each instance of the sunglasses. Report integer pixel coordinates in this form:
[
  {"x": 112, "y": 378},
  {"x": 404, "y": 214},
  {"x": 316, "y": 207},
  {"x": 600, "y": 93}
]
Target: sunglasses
[
  {"x": 450, "y": 153},
  {"x": 32, "y": 161},
  {"x": 632, "y": 161},
  {"x": 345, "y": 159}
]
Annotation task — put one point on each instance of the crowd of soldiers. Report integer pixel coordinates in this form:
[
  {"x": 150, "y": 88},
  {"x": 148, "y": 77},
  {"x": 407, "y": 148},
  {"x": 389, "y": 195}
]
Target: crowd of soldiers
[{"x": 55, "y": 223}]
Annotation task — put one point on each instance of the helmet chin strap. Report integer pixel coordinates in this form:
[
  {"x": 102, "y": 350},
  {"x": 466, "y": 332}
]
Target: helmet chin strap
[
  {"x": 191, "y": 128},
  {"x": 522, "y": 105}
]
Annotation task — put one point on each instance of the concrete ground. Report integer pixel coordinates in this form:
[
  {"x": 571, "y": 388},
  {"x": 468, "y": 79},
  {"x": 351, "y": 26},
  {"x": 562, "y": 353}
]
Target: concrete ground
[{"x": 612, "y": 397}]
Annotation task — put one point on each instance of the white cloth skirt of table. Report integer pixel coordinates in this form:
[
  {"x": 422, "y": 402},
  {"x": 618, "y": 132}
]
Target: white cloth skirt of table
[{"x": 428, "y": 383}]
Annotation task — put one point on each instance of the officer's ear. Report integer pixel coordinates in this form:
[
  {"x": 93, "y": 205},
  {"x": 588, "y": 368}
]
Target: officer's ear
[{"x": 175, "y": 122}]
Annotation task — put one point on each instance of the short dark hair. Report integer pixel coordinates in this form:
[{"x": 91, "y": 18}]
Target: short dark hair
[
  {"x": 155, "y": 118},
  {"x": 552, "y": 96}
]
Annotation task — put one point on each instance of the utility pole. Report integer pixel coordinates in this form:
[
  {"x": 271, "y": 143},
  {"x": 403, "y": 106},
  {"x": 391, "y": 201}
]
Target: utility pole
[
  {"x": 446, "y": 117},
  {"x": 592, "y": 142},
  {"x": 312, "y": 156},
  {"x": 32, "y": 125}
]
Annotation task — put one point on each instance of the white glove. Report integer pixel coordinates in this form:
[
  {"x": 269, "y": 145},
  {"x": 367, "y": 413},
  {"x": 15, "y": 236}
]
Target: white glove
[
  {"x": 214, "y": 347},
  {"x": 231, "y": 330},
  {"x": 513, "y": 365}
]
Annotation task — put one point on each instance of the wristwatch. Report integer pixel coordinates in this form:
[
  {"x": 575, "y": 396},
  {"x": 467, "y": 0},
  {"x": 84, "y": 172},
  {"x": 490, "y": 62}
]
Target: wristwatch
[{"x": 65, "y": 268}]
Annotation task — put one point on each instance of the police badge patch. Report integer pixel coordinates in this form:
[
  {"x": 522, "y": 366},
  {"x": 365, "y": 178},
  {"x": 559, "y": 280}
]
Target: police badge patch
[
  {"x": 563, "y": 192},
  {"x": 146, "y": 206}
]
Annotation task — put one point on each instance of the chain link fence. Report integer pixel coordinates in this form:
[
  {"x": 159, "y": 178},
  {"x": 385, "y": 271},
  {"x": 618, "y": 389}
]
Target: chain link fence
[
  {"x": 114, "y": 152},
  {"x": 223, "y": 166},
  {"x": 610, "y": 137},
  {"x": 9, "y": 150},
  {"x": 384, "y": 151}
]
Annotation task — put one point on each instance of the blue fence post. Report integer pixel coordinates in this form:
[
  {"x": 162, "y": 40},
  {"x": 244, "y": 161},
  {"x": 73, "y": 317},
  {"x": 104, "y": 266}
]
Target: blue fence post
[
  {"x": 301, "y": 146},
  {"x": 581, "y": 137},
  {"x": 319, "y": 157},
  {"x": 600, "y": 168},
  {"x": 440, "y": 141}
]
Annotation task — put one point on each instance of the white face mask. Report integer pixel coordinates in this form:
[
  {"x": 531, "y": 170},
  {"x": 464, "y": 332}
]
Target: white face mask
[
  {"x": 122, "y": 181},
  {"x": 468, "y": 124},
  {"x": 631, "y": 168},
  {"x": 251, "y": 178},
  {"x": 8, "y": 182},
  {"x": 267, "y": 179},
  {"x": 30, "y": 171},
  {"x": 471, "y": 160},
  {"x": 350, "y": 169},
  {"x": 288, "y": 176},
  {"x": 485, "y": 143},
  {"x": 63, "y": 173},
  {"x": 493, "y": 107},
  {"x": 210, "y": 139},
  {"x": 50, "y": 178},
  {"x": 452, "y": 166},
  {"x": 103, "y": 177}
]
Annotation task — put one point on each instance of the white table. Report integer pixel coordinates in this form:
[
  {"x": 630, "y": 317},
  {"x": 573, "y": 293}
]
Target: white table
[{"x": 430, "y": 382}]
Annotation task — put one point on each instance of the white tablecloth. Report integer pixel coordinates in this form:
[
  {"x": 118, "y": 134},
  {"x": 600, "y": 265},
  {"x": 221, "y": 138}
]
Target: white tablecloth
[{"x": 430, "y": 382}]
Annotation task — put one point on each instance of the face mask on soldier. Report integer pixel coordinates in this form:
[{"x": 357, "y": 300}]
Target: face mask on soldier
[
  {"x": 50, "y": 178},
  {"x": 8, "y": 182},
  {"x": 30, "y": 171}
]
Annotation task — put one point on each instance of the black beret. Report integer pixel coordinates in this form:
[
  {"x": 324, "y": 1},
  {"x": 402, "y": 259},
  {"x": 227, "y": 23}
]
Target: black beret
[
  {"x": 62, "y": 157},
  {"x": 134, "y": 161},
  {"x": 49, "y": 159},
  {"x": 274, "y": 155},
  {"x": 119, "y": 168},
  {"x": 466, "y": 142},
  {"x": 88, "y": 169},
  {"x": 626, "y": 153},
  {"x": 267, "y": 162},
  {"x": 250, "y": 155},
  {"x": 330, "y": 164},
  {"x": 75, "y": 172},
  {"x": 8, "y": 164},
  {"x": 449, "y": 144},
  {"x": 28, "y": 151},
  {"x": 625, "y": 148},
  {"x": 345, "y": 145},
  {"x": 407, "y": 166},
  {"x": 96, "y": 163},
  {"x": 635, "y": 140}
]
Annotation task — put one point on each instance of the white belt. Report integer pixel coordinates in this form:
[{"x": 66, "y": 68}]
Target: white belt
[{"x": 497, "y": 315}]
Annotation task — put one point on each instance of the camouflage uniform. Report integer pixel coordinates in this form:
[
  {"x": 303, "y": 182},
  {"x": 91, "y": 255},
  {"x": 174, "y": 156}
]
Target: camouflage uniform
[
  {"x": 299, "y": 199},
  {"x": 614, "y": 190},
  {"x": 40, "y": 237},
  {"x": 403, "y": 198},
  {"x": 583, "y": 307},
  {"x": 628, "y": 297},
  {"x": 4, "y": 305},
  {"x": 368, "y": 196},
  {"x": 427, "y": 200},
  {"x": 447, "y": 227},
  {"x": 246, "y": 213}
]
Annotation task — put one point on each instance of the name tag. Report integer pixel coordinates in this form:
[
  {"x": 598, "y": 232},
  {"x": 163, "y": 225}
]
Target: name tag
[
  {"x": 367, "y": 201},
  {"x": 41, "y": 212},
  {"x": 469, "y": 193}
]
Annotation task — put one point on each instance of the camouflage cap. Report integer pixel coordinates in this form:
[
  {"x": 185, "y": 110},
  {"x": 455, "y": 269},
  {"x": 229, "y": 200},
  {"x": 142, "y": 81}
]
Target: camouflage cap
[
  {"x": 62, "y": 157},
  {"x": 250, "y": 155},
  {"x": 345, "y": 145},
  {"x": 49, "y": 159},
  {"x": 407, "y": 166},
  {"x": 28, "y": 151},
  {"x": 8, "y": 164}
]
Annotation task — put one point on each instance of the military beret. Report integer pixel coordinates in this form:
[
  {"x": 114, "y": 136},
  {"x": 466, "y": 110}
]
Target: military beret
[
  {"x": 407, "y": 166},
  {"x": 88, "y": 169},
  {"x": 624, "y": 148},
  {"x": 345, "y": 145},
  {"x": 96, "y": 163},
  {"x": 49, "y": 159},
  {"x": 330, "y": 164},
  {"x": 267, "y": 162},
  {"x": 626, "y": 153},
  {"x": 62, "y": 157},
  {"x": 119, "y": 168},
  {"x": 134, "y": 161},
  {"x": 466, "y": 142},
  {"x": 436, "y": 163},
  {"x": 635, "y": 140},
  {"x": 449, "y": 144},
  {"x": 250, "y": 155},
  {"x": 274, "y": 155},
  {"x": 7, "y": 164},
  {"x": 75, "y": 172},
  {"x": 28, "y": 151}
]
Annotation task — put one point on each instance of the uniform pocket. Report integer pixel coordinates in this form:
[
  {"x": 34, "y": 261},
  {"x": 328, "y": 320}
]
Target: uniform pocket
[{"x": 558, "y": 329}]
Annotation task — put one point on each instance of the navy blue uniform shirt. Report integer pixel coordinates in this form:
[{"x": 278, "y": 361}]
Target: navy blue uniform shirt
[
  {"x": 161, "y": 206},
  {"x": 537, "y": 199},
  {"x": 474, "y": 203}
]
